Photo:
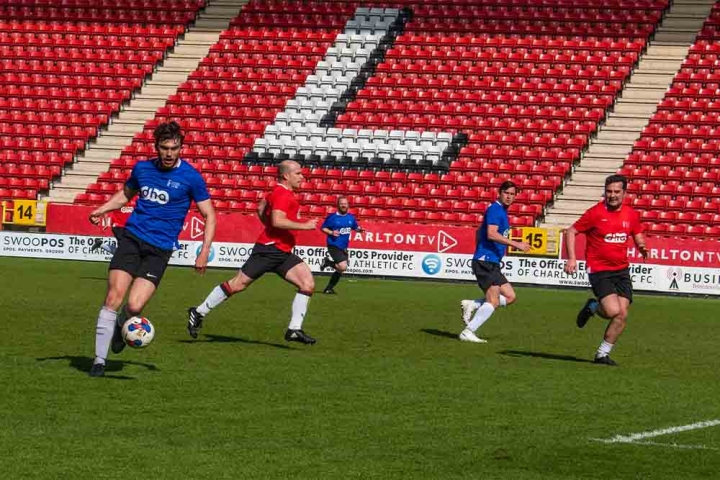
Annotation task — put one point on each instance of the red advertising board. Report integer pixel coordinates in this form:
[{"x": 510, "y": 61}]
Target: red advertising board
[{"x": 239, "y": 228}]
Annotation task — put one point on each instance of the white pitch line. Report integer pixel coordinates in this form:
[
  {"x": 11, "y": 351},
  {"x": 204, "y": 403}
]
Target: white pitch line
[
  {"x": 636, "y": 437},
  {"x": 676, "y": 445}
]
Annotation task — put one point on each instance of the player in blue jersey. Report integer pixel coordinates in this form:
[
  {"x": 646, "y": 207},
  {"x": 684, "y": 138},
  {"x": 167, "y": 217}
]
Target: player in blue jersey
[
  {"x": 337, "y": 226},
  {"x": 166, "y": 186},
  {"x": 492, "y": 240}
]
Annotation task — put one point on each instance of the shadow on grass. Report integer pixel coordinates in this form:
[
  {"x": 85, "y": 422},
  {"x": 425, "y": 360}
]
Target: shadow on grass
[
  {"x": 226, "y": 339},
  {"x": 103, "y": 279},
  {"x": 83, "y": 364},
  {"x": 440, "y": 333},
  {"x": 546, "y": 356}
]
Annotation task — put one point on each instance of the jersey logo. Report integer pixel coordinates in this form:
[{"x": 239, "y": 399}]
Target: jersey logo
[
  {"x": 616, "y": 238},
  {"x": 345, "y": 231},
  {"x": 155, "y": 195}
]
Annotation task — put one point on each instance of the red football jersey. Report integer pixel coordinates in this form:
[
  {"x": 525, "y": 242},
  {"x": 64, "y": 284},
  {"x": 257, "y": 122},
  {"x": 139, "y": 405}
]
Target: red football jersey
[
  {"x": 608, "y": 235},
  {"x": 282, "y": 199}
]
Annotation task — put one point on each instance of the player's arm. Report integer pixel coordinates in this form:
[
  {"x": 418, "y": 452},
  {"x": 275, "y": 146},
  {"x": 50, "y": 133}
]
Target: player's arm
[
  {"x": 278, "y": 219},
  {"x": 639, "y": 240},
  {"x": 325, "y": 228},
  {"x": 495, "y": 236},
  {"x": 119, "y": 199},
  {"x": 571, "y": 264},
  {"x": 262, "y": 204},
  {"x": 208, "y": 213}
]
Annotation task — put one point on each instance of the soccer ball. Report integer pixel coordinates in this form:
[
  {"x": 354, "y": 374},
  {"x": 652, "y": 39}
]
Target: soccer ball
[{"x": 138, "y": 332}]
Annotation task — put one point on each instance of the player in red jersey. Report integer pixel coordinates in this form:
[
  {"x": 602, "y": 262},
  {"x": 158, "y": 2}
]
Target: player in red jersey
[
  {"x": 272, "y": 253},
  {"x": 117, "y": 224},
  {"x": 608, "y": 226}
]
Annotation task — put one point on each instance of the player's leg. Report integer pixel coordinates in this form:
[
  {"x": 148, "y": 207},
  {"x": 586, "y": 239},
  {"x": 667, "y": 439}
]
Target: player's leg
[
  {"x": 297, "y": 272},
  {"x": 507, "y": 297},
  {"x": 153, "y": 263},
  {"x": 218, "y": 295},
  {"x": 340, "y": 259},
  {"x": 489, "y": 279},
  {"x": 601, "y": 287},
  {"x": 614, "y": 307},
  {"x": 123, "y": 267},
  {"x": 264, "y": 258}
]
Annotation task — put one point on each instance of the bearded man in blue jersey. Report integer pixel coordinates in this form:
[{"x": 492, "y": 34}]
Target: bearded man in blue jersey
[
  {"x": 166, "y": 186},
  {"x": 337, "y": 226}
]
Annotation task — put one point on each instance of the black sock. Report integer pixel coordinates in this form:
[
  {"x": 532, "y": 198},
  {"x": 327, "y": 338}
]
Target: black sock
[{"x": 333, "y": 280}]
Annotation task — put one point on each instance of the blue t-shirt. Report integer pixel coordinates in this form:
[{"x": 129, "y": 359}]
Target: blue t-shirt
[
  {"x": 345, "y": 224},
  {"x": 485, "y": 249},
  {"x": 164, "y": 198}
]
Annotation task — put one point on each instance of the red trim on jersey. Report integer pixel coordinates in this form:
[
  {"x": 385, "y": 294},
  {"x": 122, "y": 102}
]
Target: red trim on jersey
[
  {"x": 608, "y": 235},
  {"x": 282, "y": 199}
]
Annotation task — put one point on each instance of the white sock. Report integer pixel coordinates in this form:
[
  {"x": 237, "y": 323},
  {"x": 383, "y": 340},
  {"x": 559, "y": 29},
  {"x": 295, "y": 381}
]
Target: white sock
[
  {"x": 604, "y": 349},
  {"x": 502, "y": 303},
  {"x": 216, "y": 297},
  {"x": 481, "y": 316},
  {"x": 299, "y": 309},
  {"x": 104, "y": 333}
]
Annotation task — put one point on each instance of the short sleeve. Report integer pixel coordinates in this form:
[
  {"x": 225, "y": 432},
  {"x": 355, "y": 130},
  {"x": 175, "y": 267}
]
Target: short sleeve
[
  {"x": 328, "y": 222},
  {"x": 132, "y": 182},
  {"x": 198, "y": 189},
  {"x": 281, "y": 202},
  {"x": 494, "y": 215},
  {"x": 586, "y": 222}
]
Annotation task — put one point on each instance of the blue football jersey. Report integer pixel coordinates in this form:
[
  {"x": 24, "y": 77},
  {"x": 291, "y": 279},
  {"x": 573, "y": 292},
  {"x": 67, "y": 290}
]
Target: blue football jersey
[
  {"x": 486, "y": 249},
  {"x": 344, "y": 224},
  {"x": 164, "y": 198}
]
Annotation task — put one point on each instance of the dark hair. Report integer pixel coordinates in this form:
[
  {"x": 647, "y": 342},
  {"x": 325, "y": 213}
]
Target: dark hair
[
  {"x": 507, "y": 185},
  {"x": 617, "y": 179},
  {"x": 168, "y": 131}
]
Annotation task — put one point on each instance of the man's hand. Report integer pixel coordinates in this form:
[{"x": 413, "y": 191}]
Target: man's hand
[
  {"x": 525, "y": 247},
  {"x": 643, "y": 251},
  {"x": 95, "y": 216},
  {"x": 201, "y": 261},
  {"x": 570, "y": 266},
  {"x": 312, "y": 225},
  {"x": 336, "y": 233}
]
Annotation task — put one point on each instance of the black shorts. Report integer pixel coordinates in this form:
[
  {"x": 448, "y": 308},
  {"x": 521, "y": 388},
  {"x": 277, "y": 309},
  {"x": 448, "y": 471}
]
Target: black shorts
[
  {"x": 337, "y": 254},
  {"x": 118, "y": 232},
  {"x": 269, "y": 258},
  {"x": 139, "y": 258},
  {"x": 613, "y": 282},
  {"x": 488, "y": 274}
]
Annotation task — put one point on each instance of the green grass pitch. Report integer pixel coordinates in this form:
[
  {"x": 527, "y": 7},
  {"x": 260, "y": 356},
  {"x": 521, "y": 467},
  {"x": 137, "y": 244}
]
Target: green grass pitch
[{"x": 388, "y": 392}]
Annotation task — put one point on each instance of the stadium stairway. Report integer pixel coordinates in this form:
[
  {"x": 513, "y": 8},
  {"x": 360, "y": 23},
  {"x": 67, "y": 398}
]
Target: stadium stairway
[
  {"x": 640, "y": 97},
  {"x": 176, "y": 67}
]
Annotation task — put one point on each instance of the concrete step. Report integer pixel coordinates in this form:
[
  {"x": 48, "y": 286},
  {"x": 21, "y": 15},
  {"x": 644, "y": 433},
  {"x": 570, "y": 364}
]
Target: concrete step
[
  {"x": 640, "y": 109},
  {"x": 163, "y": 77},
  {"x": 638, "y": 93},
  {"x": 581, "y": 192},
  {"x": 675, "y": 38},
  {"x": 109, "y": 141},
  {"x": 89, "y": 168},
  {"x": 665, "y": 52},
  {"x": 60, "y": 195},
  {"x": 604, "y": 149},
  {"x": 560, "y": 220},
  {"x": 119, "y": 129},
  {"x": 129, "y": 116},
  {"x": 628, "y": 123},
  {"x": 71, "y": 180},
  {"x": 687, "y": 21},
  {"x": 606, "y": 136},
  {"x": 651, "y": 79},
  {"x": 592, "y": 165},
  {"x": 659, "y": 65},
  {"x": 581, "y": 177}
]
